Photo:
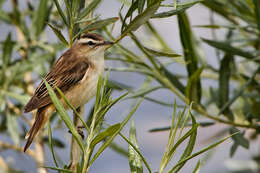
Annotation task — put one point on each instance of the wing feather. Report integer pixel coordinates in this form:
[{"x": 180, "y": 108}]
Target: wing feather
[{"x": 65, "y": 74}]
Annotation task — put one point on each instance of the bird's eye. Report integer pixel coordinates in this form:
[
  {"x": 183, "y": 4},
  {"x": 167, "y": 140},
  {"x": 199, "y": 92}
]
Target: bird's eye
[{"x": 91, "y": 43}]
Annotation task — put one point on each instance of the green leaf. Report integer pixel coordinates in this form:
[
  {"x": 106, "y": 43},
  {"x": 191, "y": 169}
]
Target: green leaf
[
  {"x": 64, "y": 115},
  {"x": 106, "y": 133},
  {"x": 159, "y": 53},
  {"x": 142, "y": 18},
  {"x": 110, "y": 139},
  {"x": 179, "y": 9},
  {"x": 239, "y": 92},
  {"x": 191, "y": 56},
  {"x": 190, "y": 146},
  {"x": 201, "y": 151},
  {"x": 257, "y": 12},
  {"x": 90, "y": 8},
  {"x": 61, "y": 12},
  {"x": 59, "y": 34},
  {"x": 96, "y": 25},
  {"x": 226, "y": 47},
  {"x": 12, "y": 127},
  {"x": 68, "y": 5},
  {"x": 220, "y": 9},
  {"x": 173, "y": 79},
  {"x": 141, "y": 6},
  {"x": 138, "y": 152},
  {"x": 192, "y": 92},
  {"x": 39, "y": 18},
  {"x": 5, "y": 17},
  {"x": 197, "y": 167},
  {"x": 129, "y": 13},
  {"x": 224, "y": 77},
  {"x": 51, "y": 144},
  {"x": 135, "y": 161},
  {"x": 7, "y": 50},
  {"x": 239, "y": 138}
]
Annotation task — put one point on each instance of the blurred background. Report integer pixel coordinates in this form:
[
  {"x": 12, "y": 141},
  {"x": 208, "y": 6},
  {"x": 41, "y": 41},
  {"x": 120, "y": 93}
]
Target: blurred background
[{"x": 205, "y": 23}]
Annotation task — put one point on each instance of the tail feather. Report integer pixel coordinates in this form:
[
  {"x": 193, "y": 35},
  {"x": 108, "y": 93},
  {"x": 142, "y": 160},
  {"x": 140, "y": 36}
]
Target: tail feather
[{"x": 39, "y": 122}]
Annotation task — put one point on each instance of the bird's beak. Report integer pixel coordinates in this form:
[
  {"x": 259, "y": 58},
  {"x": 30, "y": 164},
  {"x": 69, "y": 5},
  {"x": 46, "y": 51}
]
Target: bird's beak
[{"x": 108, "y": 43}]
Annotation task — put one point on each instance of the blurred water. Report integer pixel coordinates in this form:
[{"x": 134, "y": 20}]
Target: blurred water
[{"x": 149, "y": 115}]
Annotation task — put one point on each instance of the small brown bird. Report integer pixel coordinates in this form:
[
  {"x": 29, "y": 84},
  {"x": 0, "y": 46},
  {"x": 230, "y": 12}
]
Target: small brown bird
[{"x": 76, "y": 73}]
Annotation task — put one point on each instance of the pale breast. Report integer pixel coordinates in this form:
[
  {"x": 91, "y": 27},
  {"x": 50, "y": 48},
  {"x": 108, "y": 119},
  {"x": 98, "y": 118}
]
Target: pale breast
[{"x": 86, "y": 89}]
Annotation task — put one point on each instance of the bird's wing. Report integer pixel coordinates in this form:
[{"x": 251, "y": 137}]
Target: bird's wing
[{"x": 65, "y": 74}]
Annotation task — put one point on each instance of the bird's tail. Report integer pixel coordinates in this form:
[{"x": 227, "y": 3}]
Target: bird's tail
[{"x": 38, "y": 124}]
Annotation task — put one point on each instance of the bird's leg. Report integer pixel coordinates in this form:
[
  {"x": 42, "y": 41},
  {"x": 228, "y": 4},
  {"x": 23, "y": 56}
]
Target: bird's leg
[{"x": 80, "y": 131}]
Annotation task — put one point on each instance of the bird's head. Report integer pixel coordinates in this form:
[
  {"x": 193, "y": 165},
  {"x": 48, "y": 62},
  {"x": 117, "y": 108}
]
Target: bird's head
[{"x": 91, "y": 44}]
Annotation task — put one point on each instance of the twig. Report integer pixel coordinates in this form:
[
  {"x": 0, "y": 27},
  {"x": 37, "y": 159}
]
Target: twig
[
  {"x": 17, "y": 148},
  {"x": 75, "y": 151}
]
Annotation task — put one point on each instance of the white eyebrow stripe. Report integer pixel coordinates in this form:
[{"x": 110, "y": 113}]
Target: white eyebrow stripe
[{"x": 85, "y": 40}]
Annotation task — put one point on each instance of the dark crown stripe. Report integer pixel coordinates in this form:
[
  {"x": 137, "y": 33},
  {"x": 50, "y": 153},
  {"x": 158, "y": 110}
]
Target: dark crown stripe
[{"x": 92, "y": 36}]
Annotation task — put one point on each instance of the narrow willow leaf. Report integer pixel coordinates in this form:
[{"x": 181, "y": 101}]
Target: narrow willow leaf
[
  {"x": 106, "y": 133},
  {"x": 208, "y": 26},
  {"x": 137, "y": 151},
  {"x": 190, "y": 146},
  {"x": 238, "y": 93},
  {"x": 64, "y": 115},
  {"x": 226, "y": 47},
  {"x": 110, "y": 139},
  {"x": 68, "y": 5},
  {"x": 141, "y": 6},
  {"x": 182, "y": 139},
  {"x": 239, "y": 139},
  {"x": 141, "y": 18},
  {"x": 51, "y": 144},
  {"x": 129, "y": 14},
  {"x": 191, "y": 54},
  {"x": 197, "y": 167},
  {"x": 12, "y": 127},
  {"x": 39, "y": 18},
  {"x": 7, "y": 50},
  {"x": 173, "y": 79},
  {"x": 5, "y": 17},
  {"x": 224, "y": 77},
  {"x": 135, "y": 161},
  {"x": 89, "y": 8},
  {"x": 96, "y": 25},
  {"x": 75, "y": 8},
  {"x": 98, "y": 93},
  {"x": 159, "y": 53},
  {"x": 194, "y": 93},
  {"x": 61, "y": 12},
  {"x": 220, "y": 9},
  {"x": 200, "y": 152},
  {"x": 59, "y": 34},
  {"x": 201, "y": 124},
  {"x": 257, "y": 12},
  {"x": 176, "y": 11}
]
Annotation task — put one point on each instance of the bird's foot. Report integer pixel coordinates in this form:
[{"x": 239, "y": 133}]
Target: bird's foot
[{"x": 80, "y": 131}]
